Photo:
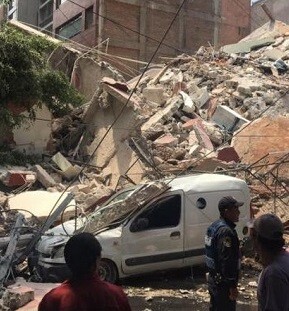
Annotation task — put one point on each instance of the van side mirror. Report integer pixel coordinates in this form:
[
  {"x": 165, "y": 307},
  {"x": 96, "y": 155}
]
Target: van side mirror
[{"x": 139, "y": 225}]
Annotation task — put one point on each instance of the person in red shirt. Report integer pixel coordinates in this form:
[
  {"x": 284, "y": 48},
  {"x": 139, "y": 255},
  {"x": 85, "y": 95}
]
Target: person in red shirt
[{"x": 84, "y": 291}]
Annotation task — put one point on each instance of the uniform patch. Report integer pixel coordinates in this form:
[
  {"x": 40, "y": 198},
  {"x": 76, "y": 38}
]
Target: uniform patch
[{"x": 227, "y": 242}]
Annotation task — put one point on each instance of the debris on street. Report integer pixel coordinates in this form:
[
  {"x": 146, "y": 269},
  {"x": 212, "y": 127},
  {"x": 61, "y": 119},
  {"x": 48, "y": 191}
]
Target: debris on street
[{"x": 219, "y": 111}]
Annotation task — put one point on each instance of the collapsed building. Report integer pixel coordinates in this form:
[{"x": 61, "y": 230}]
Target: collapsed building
[{"x": 216, "y": 111}]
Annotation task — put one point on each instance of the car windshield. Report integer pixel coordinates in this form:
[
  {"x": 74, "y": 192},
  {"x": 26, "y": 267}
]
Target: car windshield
[
  {"x": 110, "y": 212},
  {"x": 120, "y": 196},
  {"x": 121, "y": 205}
]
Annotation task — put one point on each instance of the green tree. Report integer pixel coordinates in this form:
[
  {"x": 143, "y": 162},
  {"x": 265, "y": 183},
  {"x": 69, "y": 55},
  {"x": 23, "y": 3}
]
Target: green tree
[{"x": 26, "y": 79}]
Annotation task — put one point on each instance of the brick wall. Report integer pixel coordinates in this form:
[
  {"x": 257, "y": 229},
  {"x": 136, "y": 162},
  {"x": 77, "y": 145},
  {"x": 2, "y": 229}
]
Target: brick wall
[
  {"x": 200, "y": 22},
  {"x": 236, "y": 17}
]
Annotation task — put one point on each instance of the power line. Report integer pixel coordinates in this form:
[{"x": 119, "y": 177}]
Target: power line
[
  {"x": 128, "y": 28},
  {"x": 121, "y": 111}
]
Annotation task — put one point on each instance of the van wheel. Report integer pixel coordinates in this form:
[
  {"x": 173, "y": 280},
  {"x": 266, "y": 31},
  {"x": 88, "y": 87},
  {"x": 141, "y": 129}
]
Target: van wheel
[{"x": 107, "y": 271}]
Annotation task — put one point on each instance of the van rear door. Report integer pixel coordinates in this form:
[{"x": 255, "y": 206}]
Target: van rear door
[
  {"x": 153, "y": 239},
  {"x": 201, "y": 211}
]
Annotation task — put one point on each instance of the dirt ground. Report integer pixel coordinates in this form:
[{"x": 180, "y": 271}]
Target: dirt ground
[{"x": 184, "y": 290}]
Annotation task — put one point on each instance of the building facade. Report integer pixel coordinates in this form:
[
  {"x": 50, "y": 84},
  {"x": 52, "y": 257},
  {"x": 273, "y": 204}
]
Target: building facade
[
  {"x": 37, "y": 13},
  {"x": 23, "y": 10},
  {"x": 133, "y": 28},
  {"x": 278, "y": 8}
]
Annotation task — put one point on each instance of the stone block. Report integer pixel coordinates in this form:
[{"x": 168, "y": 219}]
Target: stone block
[
  {"x": 162, "y": 115},
  {"x": 43, "y": 177},
  {"x": 17, "y": 297},
  {"x": 154, "y": 94},
  {"x": 67, "y": 169},
  {"x": 274, "y": 54}
]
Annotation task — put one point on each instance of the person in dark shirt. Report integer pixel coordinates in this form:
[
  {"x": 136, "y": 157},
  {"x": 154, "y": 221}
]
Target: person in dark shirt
[
  {"x": 273, "y": 284},
  {"x": 223, "y": 256},
  {"x": 84, "y": 291}
]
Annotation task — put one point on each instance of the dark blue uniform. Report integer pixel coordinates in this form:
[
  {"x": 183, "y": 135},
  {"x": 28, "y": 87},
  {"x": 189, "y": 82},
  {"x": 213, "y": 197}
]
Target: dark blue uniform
[{"x": 223, "y": 261}]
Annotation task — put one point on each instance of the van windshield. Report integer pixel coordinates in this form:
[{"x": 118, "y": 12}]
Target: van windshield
[
  {"x": 110, "y": 212},
  {"x": 120, "y": 196},
  {"x": 121, "y": 205}
]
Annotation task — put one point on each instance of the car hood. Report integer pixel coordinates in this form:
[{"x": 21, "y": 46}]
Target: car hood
[{"x": 58, "y": 236}]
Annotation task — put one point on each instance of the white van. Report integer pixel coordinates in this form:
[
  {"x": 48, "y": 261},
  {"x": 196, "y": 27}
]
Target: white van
[{"x": 165, "y": 233}]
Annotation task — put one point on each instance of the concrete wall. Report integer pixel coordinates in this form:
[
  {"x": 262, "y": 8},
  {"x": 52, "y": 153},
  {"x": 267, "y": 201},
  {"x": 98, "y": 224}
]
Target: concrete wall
[
  {"x": 278, "y": 8},
  {"x": 113, "y": 155},
  {"x": 199, "y": 23},
  {"x": 32, "y": 138}
]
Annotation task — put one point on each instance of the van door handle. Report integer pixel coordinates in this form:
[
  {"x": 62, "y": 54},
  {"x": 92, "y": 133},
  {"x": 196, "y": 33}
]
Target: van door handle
[{"x": 175, "y": 234}]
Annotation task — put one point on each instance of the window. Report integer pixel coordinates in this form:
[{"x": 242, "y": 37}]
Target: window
[
  {"x": 71, "y": 29},
  {"x": 46, "y": 14},
  {"x": 164, "y": 213},
  {"x": 89, "y": 17}
]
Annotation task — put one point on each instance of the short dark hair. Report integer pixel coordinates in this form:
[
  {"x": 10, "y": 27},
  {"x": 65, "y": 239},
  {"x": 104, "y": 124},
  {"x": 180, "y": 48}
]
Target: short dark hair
[
  {"x": 228, "y": 202},
  {"x": 81, "y": 252}
]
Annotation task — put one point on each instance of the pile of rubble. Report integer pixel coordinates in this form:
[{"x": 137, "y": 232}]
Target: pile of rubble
[{"x": 217, "y": 110}]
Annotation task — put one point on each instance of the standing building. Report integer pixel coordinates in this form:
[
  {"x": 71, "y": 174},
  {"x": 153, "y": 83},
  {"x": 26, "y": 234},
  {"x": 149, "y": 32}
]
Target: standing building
[
  {"x": 23, "y": 10},
  {"x": 133, "y": 28},
  {"x": 45, "y": 15},
  {"x": 278, "y": 8},
  {"x": 37, "y": 13}
]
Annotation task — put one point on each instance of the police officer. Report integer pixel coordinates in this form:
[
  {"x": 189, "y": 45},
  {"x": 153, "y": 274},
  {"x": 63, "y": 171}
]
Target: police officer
[{"x": 223, "y": 256}]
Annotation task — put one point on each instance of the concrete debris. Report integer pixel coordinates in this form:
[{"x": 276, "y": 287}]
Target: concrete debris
[
  {"x": 228, "y": 119},
  {"x": 247, "y": 46},
  {"x": 16, "y": 297},
  {"x": 40, "y": 203},
  {"x": 67, "y": 169},
  {"x": 265, "y": 137},
  {"x": 209, "y": 112},
  {"x": 43, "y": 177}
]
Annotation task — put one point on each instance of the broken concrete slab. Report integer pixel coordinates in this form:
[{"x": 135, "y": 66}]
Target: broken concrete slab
[
  {"x": 43, "y": 177},
  {"x": 274, "y": 54},
  {"x": 203, "y": 137},
  {"x": 67, "y": 169},
  {"x": 40, "y": 203},
  {"x": 162, "y": 115},
  {"x": 228, "y": 119},
  {"x": 40, "y": 289},
  {"x": 246, "y": 46},
  {"x": 264, "y": 136},
  {"x": 122, "y": 96},
  {"x": 189, "y": 106},
  {"x": 154, "y": 94}
]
